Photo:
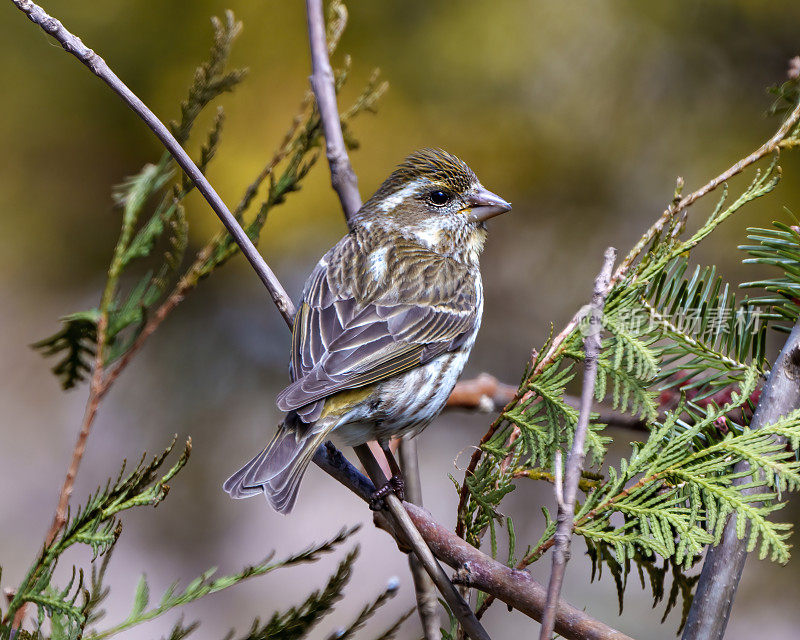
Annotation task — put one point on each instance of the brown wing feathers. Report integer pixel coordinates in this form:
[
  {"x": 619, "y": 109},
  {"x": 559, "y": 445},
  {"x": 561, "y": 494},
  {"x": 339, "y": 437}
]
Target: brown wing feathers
[{"x": 353, "y": 338}]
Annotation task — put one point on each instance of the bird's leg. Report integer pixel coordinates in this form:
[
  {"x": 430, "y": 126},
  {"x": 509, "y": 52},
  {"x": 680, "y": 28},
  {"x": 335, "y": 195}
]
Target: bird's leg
[{"x": 395, "y": 485}]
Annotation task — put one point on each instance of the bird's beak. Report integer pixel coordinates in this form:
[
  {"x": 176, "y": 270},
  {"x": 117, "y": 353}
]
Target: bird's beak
[{"x": 482, "y": 204}]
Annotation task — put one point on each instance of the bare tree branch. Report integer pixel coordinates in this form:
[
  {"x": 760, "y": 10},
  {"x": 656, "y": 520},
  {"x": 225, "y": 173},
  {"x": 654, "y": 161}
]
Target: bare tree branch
[
  {"x": 427, "y": 601},
  {"x": 722, "y": 569},
  {"x": 513, "y": 586},
  {"x": 343, "y": 178},
  {"x": 565, "y": 496},
  {"x": 485, "y": 393},
  {"x": 412, "y": 537}
]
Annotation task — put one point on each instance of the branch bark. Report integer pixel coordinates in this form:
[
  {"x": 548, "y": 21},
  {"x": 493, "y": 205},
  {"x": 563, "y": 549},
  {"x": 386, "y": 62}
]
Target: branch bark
[
  {"x": 513, "y": 586},
  {"x": 427, "y": 602},
  {"x": 412, "y": 537},
  {"x": 343, "y": 178},
  {"x": 724, "y": 563},
  {"x": 565, "y": 496},
  {"x": 485, "y": 393}
]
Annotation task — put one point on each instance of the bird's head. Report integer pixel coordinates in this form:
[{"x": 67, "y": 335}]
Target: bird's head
[{"x": 436, "y": 199}]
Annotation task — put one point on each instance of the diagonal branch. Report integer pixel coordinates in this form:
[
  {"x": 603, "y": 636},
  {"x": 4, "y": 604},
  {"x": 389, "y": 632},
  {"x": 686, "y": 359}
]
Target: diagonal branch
[
  {"x": 427, "y": 602},
  {"x": 724, "y": 563},
  {"x": 343, "y": 178},
  {"x": 513, "y": 586},
  {"x": 73, "y": 45},
  {"x": 412, "y": 537},
  {"x": 565, "y": 496}
]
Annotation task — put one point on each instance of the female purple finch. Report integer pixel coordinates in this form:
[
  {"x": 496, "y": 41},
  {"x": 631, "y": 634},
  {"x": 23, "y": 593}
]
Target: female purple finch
[{"x": 388, "y": 319}]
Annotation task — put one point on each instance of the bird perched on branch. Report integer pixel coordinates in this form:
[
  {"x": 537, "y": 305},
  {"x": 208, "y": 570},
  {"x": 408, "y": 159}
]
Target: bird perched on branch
[{"x": 388, "y": 319}]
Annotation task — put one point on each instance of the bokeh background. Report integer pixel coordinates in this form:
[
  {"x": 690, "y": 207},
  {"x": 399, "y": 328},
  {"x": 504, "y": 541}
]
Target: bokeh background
[{"x": 582, "y": 114}]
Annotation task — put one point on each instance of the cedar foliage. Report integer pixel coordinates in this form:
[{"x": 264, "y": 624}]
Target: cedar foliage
[{"x": 669, "y": 328}]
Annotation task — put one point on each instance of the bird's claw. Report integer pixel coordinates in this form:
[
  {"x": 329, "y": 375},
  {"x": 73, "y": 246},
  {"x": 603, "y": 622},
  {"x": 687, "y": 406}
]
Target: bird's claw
[{"x": 395, "y": 485}]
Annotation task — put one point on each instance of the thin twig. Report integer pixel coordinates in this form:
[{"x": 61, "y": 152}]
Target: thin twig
[
  {"x": 92, "y": 404},
  {"x": 483, "y": 393},
  {"x": 414, "y": 539},
  {"x": 343, "y": 178},
  {"x": 427, "y": 601},
  {"x": 722, "y": 569},
  {"x": 73, "y": 45},
  {"x": 514, "y": 587},
  {"x": 574, "y": 466}
]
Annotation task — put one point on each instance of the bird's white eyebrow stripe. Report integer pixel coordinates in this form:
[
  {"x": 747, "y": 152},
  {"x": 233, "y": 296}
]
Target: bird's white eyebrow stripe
[{"x": 390, "y": 202}]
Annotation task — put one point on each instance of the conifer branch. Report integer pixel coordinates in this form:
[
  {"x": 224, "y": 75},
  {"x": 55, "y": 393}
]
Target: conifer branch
[
  {"x": 722, "y": 570},
  {"x": 343, "y": 178},
  {"x": 557, "y": 343},
  {"x": 574, "y": 466}
]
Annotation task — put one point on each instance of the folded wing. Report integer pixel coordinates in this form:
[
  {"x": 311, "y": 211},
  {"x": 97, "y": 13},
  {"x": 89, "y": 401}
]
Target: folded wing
[{"x": 347, "y": 335}]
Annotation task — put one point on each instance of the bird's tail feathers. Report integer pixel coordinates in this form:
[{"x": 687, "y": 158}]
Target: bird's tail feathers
[{"x": 279, "y": 468}]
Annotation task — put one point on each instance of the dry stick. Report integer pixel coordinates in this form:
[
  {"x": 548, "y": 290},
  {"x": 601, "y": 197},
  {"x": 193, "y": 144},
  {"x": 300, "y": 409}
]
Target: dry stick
[
  {"x": 724, "y": 563},
  {"x": 514, "y": 587},
  {"x": 461, "y": 610},
  {"x": 92, "y": 404},
  {"x": 487, "y": 393},
  {"x": 427, "y": 603},
  {"x": 774, "y": 144},
  {"x": 343, "y": 178},
  {"x": 565, "y": 496},
  {"x": 73, "y": 45},
  {"x": 484, "y": 393}
]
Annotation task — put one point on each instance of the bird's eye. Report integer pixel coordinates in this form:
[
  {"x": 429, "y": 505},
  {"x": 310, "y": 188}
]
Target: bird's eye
[{"x": 439, "y": 198}]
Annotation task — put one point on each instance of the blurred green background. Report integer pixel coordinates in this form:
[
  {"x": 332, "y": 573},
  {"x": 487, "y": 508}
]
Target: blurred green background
[{"x": 582, "y": 114}]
